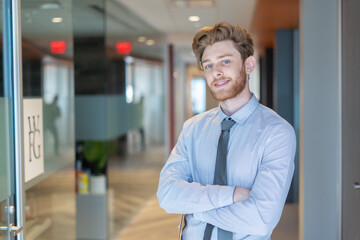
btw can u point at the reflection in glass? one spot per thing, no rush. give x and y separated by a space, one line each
48 73
47 54
53 113
3 219
6 130
4 127
134 56
6 156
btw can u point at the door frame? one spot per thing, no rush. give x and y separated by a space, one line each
13 70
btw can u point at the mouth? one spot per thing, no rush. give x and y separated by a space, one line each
221 83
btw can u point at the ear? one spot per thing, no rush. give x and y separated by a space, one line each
250 63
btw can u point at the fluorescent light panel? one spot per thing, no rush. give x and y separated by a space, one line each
141 39
150 42
192 3
194 18
57 20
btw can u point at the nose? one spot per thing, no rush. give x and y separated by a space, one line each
217 71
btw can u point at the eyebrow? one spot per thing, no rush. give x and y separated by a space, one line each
219 57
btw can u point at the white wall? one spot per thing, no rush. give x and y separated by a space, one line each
320 126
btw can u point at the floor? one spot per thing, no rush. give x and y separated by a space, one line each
51 204
132 182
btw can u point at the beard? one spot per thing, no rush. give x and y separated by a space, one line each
237 86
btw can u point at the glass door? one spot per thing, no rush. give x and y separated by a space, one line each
48 97
10 168
6 150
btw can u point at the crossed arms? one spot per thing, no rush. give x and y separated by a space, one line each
232 208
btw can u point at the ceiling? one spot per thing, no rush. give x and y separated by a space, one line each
171 16
260 17
88 19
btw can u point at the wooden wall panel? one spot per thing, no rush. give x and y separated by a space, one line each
270 15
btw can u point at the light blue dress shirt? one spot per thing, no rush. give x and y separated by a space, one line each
260 157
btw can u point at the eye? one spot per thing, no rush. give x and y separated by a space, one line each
209 66
225 62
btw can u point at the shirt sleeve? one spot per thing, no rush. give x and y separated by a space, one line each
261 212
177 193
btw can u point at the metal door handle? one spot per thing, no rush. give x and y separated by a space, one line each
356 185
15 230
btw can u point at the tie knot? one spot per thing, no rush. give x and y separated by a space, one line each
226 124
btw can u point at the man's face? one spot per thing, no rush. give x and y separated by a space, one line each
223 70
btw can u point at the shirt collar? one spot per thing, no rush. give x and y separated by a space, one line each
241 115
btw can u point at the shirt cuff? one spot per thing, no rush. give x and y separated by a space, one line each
226 195
225 198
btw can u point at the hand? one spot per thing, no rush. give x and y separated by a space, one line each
240 194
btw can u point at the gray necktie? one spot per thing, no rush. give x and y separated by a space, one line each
220 177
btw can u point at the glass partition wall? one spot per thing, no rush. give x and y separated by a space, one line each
140 47
48 77
129 76
11 188
119 80
6 138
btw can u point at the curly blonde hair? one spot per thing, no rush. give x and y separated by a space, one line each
221 32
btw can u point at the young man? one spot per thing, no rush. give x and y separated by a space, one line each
232 166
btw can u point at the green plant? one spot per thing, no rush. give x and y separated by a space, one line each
96 153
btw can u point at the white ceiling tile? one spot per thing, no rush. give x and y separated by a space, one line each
174 20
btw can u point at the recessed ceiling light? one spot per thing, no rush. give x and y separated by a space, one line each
57 20
141 39
50 6
149 42
192 3
194 18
